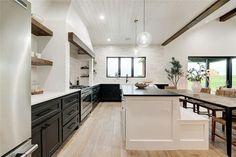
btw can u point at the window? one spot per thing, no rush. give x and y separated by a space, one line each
126 66
139 67
113 68
222 71
234 72
217 76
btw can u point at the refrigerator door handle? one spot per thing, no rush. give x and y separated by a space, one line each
28 152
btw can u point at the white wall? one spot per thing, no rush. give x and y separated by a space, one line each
211 39
154 56
76 25
61 18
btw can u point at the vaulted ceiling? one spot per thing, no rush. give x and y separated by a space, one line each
163 18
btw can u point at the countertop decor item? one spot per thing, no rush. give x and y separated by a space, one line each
196 76
175 72
141 85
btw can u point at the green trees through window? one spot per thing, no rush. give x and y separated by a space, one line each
222 71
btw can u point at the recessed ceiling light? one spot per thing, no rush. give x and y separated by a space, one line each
101 17
108 39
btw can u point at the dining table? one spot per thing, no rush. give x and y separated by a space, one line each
228 103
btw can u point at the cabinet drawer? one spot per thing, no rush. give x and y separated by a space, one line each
70 99
70 127
43 111
70 112
85 108
86 111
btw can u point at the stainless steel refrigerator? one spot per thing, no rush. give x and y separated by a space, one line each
15 67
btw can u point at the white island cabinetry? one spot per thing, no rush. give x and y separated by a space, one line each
154 120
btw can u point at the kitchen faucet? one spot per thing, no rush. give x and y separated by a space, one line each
127 80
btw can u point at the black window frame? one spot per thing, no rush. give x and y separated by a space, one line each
207 59
132 67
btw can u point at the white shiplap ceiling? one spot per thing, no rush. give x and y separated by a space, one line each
163 18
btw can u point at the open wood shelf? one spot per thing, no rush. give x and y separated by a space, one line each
84 68
84 76
39 29
40 62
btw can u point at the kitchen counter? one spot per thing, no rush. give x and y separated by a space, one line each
131 90
36 99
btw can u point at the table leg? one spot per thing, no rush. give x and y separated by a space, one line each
185 104
228 118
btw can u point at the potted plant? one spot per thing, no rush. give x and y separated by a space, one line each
196 76
175 72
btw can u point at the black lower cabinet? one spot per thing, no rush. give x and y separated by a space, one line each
110 92
52 134
37 133
53 122
96 96
48 136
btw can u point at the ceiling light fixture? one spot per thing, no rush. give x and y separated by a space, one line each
108 39
135 37
144 38
102 17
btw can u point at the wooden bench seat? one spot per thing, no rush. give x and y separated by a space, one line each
213 108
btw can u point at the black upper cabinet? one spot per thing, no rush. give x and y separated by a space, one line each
110 92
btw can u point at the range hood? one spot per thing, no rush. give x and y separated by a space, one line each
82 48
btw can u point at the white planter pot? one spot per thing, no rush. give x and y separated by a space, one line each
196 87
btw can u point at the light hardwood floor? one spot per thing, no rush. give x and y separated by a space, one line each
100 136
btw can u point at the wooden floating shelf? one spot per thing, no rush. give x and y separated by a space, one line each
84 76
39 29
84 68
37 92
40 62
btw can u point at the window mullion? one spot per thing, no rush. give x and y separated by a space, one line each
119 66
132 67
229 73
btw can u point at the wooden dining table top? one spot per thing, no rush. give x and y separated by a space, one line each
221 101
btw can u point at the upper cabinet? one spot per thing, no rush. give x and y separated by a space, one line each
39 29
82 48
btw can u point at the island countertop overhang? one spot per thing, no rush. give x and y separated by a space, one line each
131 90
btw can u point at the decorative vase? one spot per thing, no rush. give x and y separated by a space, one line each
196 87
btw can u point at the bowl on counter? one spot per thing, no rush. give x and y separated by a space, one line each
141 85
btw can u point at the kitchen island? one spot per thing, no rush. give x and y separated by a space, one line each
153 120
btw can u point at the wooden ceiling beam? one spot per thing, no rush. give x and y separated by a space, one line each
228 15
200 17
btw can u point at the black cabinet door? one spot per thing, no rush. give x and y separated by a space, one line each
110 92
52 135
37 139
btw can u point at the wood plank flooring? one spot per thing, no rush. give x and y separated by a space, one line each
100 136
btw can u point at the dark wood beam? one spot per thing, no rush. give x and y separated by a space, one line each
200 17
228 15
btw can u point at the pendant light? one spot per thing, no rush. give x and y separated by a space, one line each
144 38
135 37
